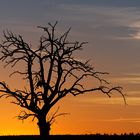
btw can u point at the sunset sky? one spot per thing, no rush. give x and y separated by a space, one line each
112 30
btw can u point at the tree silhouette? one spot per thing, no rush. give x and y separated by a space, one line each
51 70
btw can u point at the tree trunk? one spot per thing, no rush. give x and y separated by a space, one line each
44 128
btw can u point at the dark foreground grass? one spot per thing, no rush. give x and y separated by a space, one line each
76 137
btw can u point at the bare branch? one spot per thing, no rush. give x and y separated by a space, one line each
24 115
55 115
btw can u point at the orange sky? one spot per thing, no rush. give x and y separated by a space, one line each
87 114
112 29
84 118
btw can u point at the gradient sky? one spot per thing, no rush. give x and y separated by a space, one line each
112 29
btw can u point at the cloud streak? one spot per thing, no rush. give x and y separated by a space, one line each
110 101
121 119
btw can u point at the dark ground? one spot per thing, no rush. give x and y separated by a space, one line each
76 137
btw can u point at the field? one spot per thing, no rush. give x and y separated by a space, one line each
76 137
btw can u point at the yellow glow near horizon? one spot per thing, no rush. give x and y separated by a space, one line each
84 118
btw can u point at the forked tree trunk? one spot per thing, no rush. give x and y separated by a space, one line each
44 128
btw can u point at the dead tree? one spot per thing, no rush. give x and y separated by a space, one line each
52 72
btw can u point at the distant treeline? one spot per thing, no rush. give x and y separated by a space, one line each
124 136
